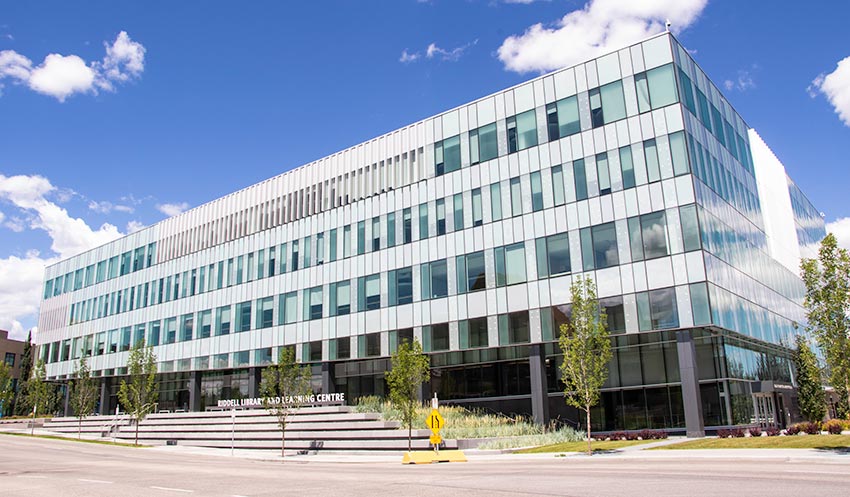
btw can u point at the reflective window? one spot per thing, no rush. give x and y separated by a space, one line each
522 131
376 234
265 313
516 197
391 229
558 193
496 201
599 246
187 327
580 179
222 321
361 237
369 292
627 167
483 144
553 255
653 170
441 217
603 174
690 227
513 328
614 312
434 276
204 324
562 118
472 333
648 236
288 308
536 191
401 286
607 104
447 155
313 302
470 272
423 221
407 226
340 298
510 264
243 316
657 309
457 200
436 337
679 153
477 210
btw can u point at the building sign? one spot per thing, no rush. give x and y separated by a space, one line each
309 400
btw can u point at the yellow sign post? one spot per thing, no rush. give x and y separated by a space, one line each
435 422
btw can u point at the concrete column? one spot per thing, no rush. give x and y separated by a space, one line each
253 383
328 384
195 391
539 386
67 405
694 424
104 396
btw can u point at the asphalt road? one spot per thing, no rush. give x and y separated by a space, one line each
36 467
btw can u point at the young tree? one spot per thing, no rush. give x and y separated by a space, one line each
410 369
140 395
586 348
284 388
809 382
26 371
7 393
40 394
827 304
83 393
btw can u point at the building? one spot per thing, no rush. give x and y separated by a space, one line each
464 231
11 352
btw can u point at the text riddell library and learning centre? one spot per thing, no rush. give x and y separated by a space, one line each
464 231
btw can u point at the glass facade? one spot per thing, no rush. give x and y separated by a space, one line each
464 231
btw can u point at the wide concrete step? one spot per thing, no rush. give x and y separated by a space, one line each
270 426
342 445
275 435
264 418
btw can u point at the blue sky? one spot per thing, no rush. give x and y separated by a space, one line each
196 99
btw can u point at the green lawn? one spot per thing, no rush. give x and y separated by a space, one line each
598 446
791 442
83 440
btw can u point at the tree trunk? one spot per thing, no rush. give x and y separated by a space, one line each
589 448
409 435
32 424
283 441
80 428
137 431
847 391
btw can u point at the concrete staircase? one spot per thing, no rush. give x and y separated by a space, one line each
311 429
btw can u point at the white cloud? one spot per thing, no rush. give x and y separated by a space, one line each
835 86
61 76
407 57
105 207
601 26
15 224
452 55
743 82
841 229
70 236
134 226
172 209
21 278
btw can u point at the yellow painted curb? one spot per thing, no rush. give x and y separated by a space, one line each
429 456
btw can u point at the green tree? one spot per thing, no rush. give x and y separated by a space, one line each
410 369
827 304
284 388
809 382
139 396
83 393
40 394
7 392
586 347
26 371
